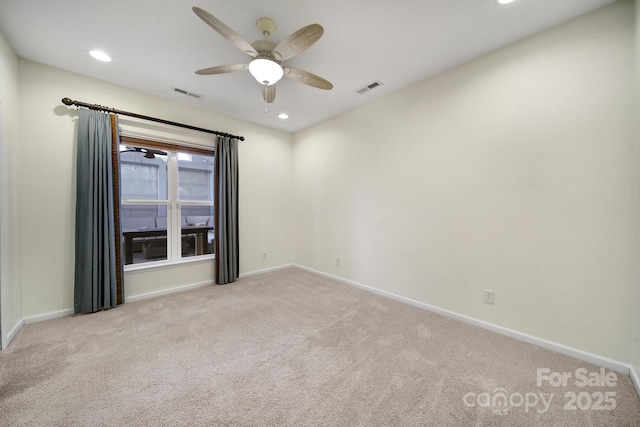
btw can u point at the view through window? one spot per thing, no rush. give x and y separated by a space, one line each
166 204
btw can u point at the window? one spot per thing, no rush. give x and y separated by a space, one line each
166 195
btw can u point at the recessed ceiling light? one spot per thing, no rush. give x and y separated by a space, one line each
505 1
100 56
283 116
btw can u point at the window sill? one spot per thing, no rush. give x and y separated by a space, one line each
161 265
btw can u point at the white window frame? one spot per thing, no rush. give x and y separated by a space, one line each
174 209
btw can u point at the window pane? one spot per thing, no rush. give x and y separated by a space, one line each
197 231
137 216
144 232
195 177
143 173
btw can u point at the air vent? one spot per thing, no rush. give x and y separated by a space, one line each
184 92
370 86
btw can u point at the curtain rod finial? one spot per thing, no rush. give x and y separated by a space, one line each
67 101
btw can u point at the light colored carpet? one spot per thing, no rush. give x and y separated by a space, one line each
287 348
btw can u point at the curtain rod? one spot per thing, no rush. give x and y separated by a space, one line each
67 101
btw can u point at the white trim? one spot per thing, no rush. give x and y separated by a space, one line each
13 332
154 294
634 378
62 313
194 285
68 312
34 319
47 316
596 359
266 270
158 265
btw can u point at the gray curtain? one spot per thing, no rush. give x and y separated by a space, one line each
226 205
95 271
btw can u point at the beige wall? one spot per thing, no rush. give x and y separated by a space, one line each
47 186
511 173
9 237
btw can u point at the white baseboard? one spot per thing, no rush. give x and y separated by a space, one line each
161 292
47 316
62 313
634 378
68 312
33 319
596 359
154 294
266 270
13 332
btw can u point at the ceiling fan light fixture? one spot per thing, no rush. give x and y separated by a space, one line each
265 71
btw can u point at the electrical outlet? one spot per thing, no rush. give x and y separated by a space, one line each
338 261
487 296
264 255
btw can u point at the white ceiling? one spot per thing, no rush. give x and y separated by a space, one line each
157 45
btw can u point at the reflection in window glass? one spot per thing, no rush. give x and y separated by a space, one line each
139 181
143 173
195 177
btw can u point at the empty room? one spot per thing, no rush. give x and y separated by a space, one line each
338 213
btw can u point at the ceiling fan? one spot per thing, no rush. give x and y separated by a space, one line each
150 153
268 56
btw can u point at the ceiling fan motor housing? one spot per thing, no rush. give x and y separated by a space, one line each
264 48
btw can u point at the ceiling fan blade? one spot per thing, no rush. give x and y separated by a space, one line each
226 32
223 69
269 93
298 42
307 78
